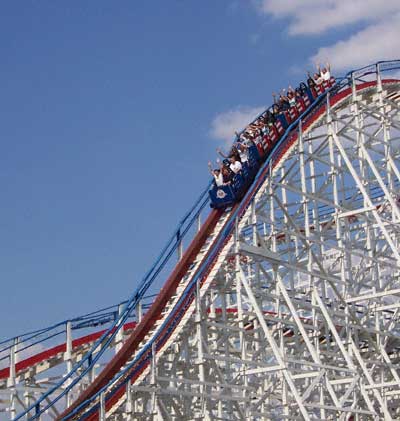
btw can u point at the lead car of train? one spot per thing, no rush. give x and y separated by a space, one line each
261 147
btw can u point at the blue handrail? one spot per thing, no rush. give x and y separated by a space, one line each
226 232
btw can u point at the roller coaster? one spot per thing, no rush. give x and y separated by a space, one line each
281 305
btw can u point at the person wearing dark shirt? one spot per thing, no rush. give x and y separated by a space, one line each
310 81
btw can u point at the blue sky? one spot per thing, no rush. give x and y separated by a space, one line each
110 112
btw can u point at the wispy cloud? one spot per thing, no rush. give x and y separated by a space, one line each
226 123
317 16
376 40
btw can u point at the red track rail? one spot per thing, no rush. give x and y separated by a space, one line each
52 352
153 314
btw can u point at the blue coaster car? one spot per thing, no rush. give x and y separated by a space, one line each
231 193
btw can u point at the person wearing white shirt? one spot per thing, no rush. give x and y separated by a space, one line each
326 75
318 79
235 166
217 174
325 72
243 152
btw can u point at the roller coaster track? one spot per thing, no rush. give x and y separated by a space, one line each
218 247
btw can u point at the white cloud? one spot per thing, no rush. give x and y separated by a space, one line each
317 16
225 124
374 43
377 40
